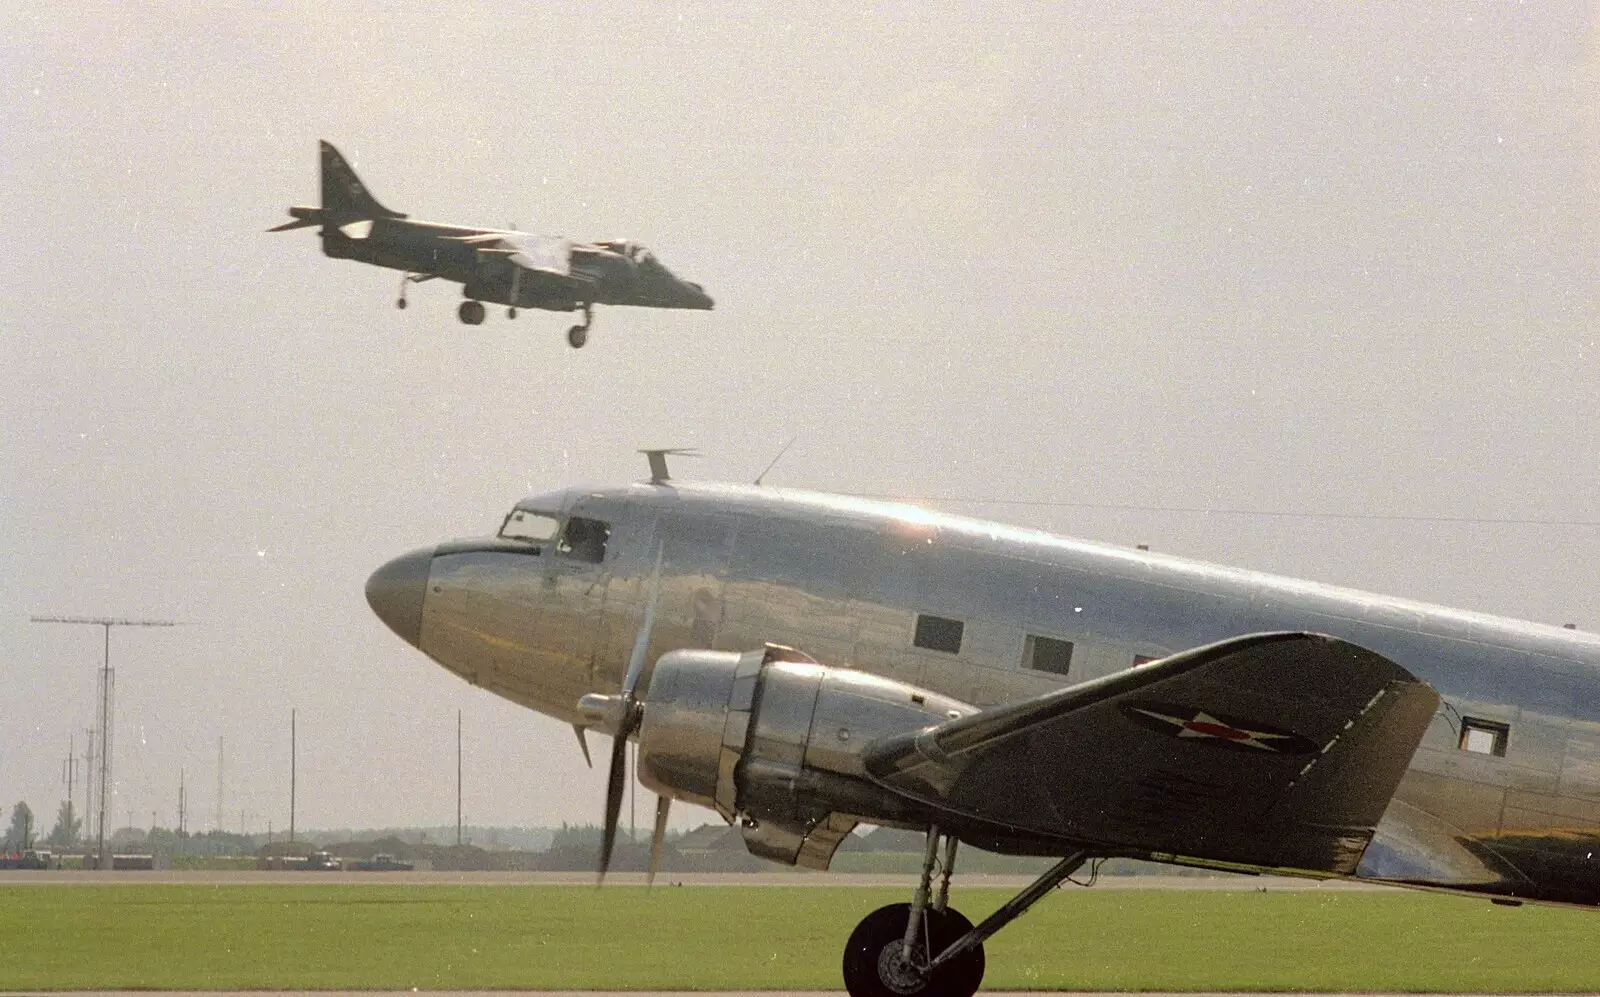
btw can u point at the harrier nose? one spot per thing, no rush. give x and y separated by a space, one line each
396 590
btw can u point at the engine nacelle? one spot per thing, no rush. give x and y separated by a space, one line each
775 739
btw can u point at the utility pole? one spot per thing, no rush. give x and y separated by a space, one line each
291 776
70 769
219 786
88 787
104 712
182 802
458 778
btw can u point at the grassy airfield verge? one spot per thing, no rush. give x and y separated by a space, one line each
184 937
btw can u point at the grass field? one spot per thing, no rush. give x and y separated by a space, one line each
430 937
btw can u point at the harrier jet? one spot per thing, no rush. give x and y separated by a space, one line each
500 266
802 663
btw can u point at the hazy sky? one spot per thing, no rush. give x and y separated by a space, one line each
1276 257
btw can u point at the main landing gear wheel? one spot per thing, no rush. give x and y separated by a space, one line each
400 304
511 312
471 312
874 965
925 947
579 334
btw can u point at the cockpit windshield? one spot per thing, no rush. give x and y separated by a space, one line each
529 525
631 250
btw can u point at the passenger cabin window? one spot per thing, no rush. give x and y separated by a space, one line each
584 540
1142 659
1484 737
938 634
525 524
1047 654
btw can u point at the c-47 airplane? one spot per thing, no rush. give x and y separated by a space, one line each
802 663
500 266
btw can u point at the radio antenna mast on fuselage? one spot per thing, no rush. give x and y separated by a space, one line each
658 463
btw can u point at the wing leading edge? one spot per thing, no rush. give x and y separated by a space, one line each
1277 750
538 253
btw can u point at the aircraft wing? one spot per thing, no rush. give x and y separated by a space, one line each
543 253
1277 750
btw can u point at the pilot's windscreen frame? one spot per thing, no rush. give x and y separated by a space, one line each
530 526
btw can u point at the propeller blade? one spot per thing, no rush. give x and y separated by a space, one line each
583 742
616 783
658 838
641 643
627 723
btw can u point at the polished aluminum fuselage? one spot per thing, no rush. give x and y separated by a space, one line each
844 580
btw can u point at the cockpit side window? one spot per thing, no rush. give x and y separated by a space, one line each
584 540
528 525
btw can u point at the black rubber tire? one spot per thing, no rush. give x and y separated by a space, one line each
511 312
471 312
400 303
959 978
577 336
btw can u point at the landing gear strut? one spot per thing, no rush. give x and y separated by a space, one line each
579 334
407 279
928 948
471 312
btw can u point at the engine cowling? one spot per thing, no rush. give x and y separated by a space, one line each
774 739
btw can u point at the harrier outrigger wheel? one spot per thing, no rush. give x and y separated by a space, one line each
579 334
471 312
407 279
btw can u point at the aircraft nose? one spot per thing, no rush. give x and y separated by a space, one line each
396 590
695 296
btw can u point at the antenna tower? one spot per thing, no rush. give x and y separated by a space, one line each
105 713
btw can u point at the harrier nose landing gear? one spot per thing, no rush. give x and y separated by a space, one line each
929 949
471 312
579 334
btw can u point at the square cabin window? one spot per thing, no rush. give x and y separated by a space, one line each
1484 737
938 634
1047 654
584 540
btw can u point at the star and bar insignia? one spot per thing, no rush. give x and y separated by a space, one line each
1192 723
